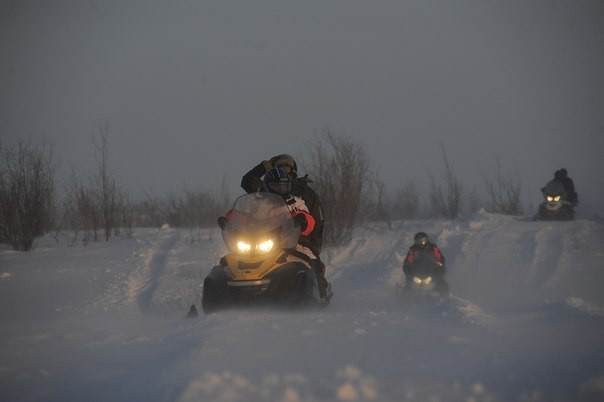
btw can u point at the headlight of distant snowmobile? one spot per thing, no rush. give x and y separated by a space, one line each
557 198
265 246
417 280
243 246
428 280
550 198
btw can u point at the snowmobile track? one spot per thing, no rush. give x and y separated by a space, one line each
142 285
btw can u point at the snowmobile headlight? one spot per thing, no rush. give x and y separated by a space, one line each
550 198
557 198
428 280
265 246
243 246
417 280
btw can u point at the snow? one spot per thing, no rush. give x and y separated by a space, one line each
105 321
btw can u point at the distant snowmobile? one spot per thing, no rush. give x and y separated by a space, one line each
428 282
555 205
263 265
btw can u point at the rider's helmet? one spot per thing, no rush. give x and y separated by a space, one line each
285 162
421 239
277 181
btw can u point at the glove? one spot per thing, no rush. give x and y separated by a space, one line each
300 221
268 165
222 222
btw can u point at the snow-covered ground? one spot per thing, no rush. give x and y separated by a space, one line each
105 322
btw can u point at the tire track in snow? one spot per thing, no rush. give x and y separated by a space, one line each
142 285
548 251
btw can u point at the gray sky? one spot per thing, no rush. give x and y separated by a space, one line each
195 91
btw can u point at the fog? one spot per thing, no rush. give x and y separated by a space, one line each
198 91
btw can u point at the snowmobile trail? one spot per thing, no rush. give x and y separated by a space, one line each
548 251
142 284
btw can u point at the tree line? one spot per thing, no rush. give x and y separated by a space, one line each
97 207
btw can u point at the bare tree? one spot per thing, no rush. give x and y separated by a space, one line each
27 191
381 209
82 209
99 204
503 191
125 214
338 167
191 209
150 212
445 195
106 186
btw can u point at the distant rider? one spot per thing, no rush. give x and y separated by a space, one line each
562 176
423 251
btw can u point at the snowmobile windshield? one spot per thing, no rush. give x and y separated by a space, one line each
554 189
260 223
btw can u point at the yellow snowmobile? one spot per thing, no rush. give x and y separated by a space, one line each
263 265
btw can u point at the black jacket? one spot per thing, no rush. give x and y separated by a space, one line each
415 253
252 182
569 186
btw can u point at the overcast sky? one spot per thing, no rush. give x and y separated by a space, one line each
196 90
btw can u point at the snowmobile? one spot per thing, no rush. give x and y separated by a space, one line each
263 265
555 205
426 283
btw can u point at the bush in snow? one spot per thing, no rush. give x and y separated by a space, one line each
27 190
503 191
338 167
444 195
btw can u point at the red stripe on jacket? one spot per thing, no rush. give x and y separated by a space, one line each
310 222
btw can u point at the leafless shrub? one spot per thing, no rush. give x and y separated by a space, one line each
27 190
376 203
125 214
444 195
191 209
381 204
338 168
98 205
150 212
83 210
503 190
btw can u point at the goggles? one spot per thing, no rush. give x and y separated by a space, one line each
285 166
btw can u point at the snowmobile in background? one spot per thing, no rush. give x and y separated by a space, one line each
555 205
427 282
263 265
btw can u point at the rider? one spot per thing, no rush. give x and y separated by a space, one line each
252 182
277 181
422 250
562 176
